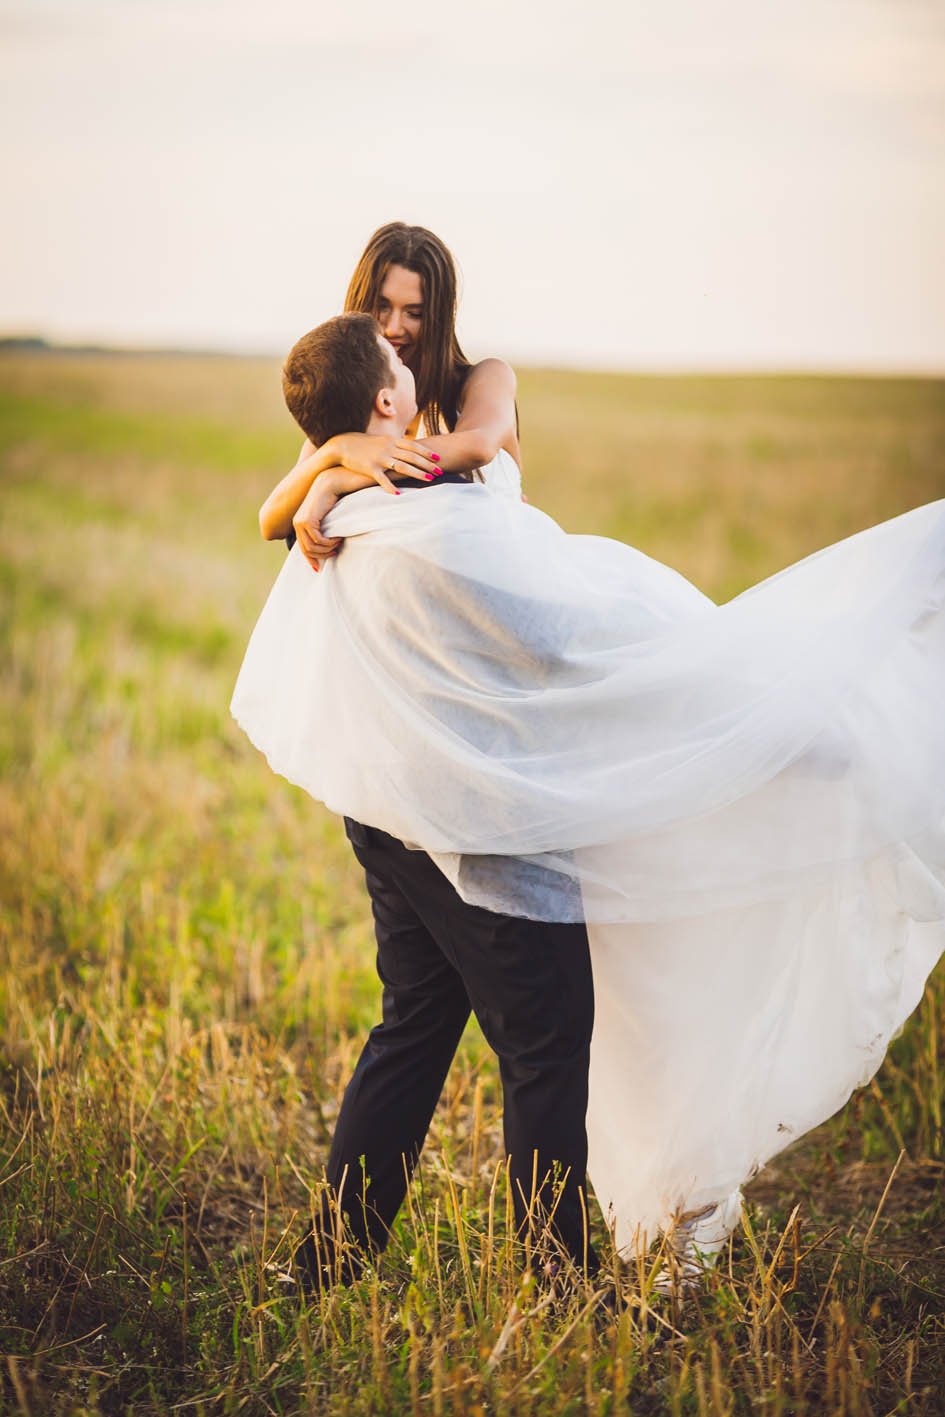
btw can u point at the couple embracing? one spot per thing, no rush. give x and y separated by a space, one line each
685 862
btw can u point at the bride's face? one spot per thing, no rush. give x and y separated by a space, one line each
400 312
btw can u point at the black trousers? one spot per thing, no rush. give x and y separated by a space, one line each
529 984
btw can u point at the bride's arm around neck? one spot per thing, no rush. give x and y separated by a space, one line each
487 420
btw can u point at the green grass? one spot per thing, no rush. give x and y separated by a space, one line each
188 960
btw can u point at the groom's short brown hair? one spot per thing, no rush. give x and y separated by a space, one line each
333 375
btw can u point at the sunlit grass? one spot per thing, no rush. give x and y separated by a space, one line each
188 956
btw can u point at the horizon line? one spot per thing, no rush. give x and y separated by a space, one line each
41 345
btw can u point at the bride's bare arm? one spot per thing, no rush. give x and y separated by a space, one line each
275 514
370 456
487 421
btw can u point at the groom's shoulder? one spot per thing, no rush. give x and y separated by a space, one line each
442 480
408 485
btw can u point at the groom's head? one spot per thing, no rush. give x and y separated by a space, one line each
343 377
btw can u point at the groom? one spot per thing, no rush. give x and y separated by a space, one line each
528 982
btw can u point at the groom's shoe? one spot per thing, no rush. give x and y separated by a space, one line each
320 1267
341 1243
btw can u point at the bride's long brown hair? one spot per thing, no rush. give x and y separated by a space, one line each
442 367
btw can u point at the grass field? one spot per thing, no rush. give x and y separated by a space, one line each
188 966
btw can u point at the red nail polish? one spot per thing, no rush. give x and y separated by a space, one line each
434 457
429 476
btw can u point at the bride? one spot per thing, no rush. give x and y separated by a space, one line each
745 802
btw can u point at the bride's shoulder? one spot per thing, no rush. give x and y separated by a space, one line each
492 367
492 375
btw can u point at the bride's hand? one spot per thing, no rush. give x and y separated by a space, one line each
376 456
307 523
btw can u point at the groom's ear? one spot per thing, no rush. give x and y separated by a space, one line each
384 403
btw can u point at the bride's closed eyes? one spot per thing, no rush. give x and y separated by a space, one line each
411 317
412 312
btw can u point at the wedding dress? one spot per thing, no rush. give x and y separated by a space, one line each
746 802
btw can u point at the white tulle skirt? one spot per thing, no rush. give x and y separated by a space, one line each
745 802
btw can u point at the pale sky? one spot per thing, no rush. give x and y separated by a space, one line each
624 183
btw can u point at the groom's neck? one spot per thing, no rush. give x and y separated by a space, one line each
386 427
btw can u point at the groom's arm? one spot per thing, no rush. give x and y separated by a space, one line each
337 482
373 457
330 487
306 524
